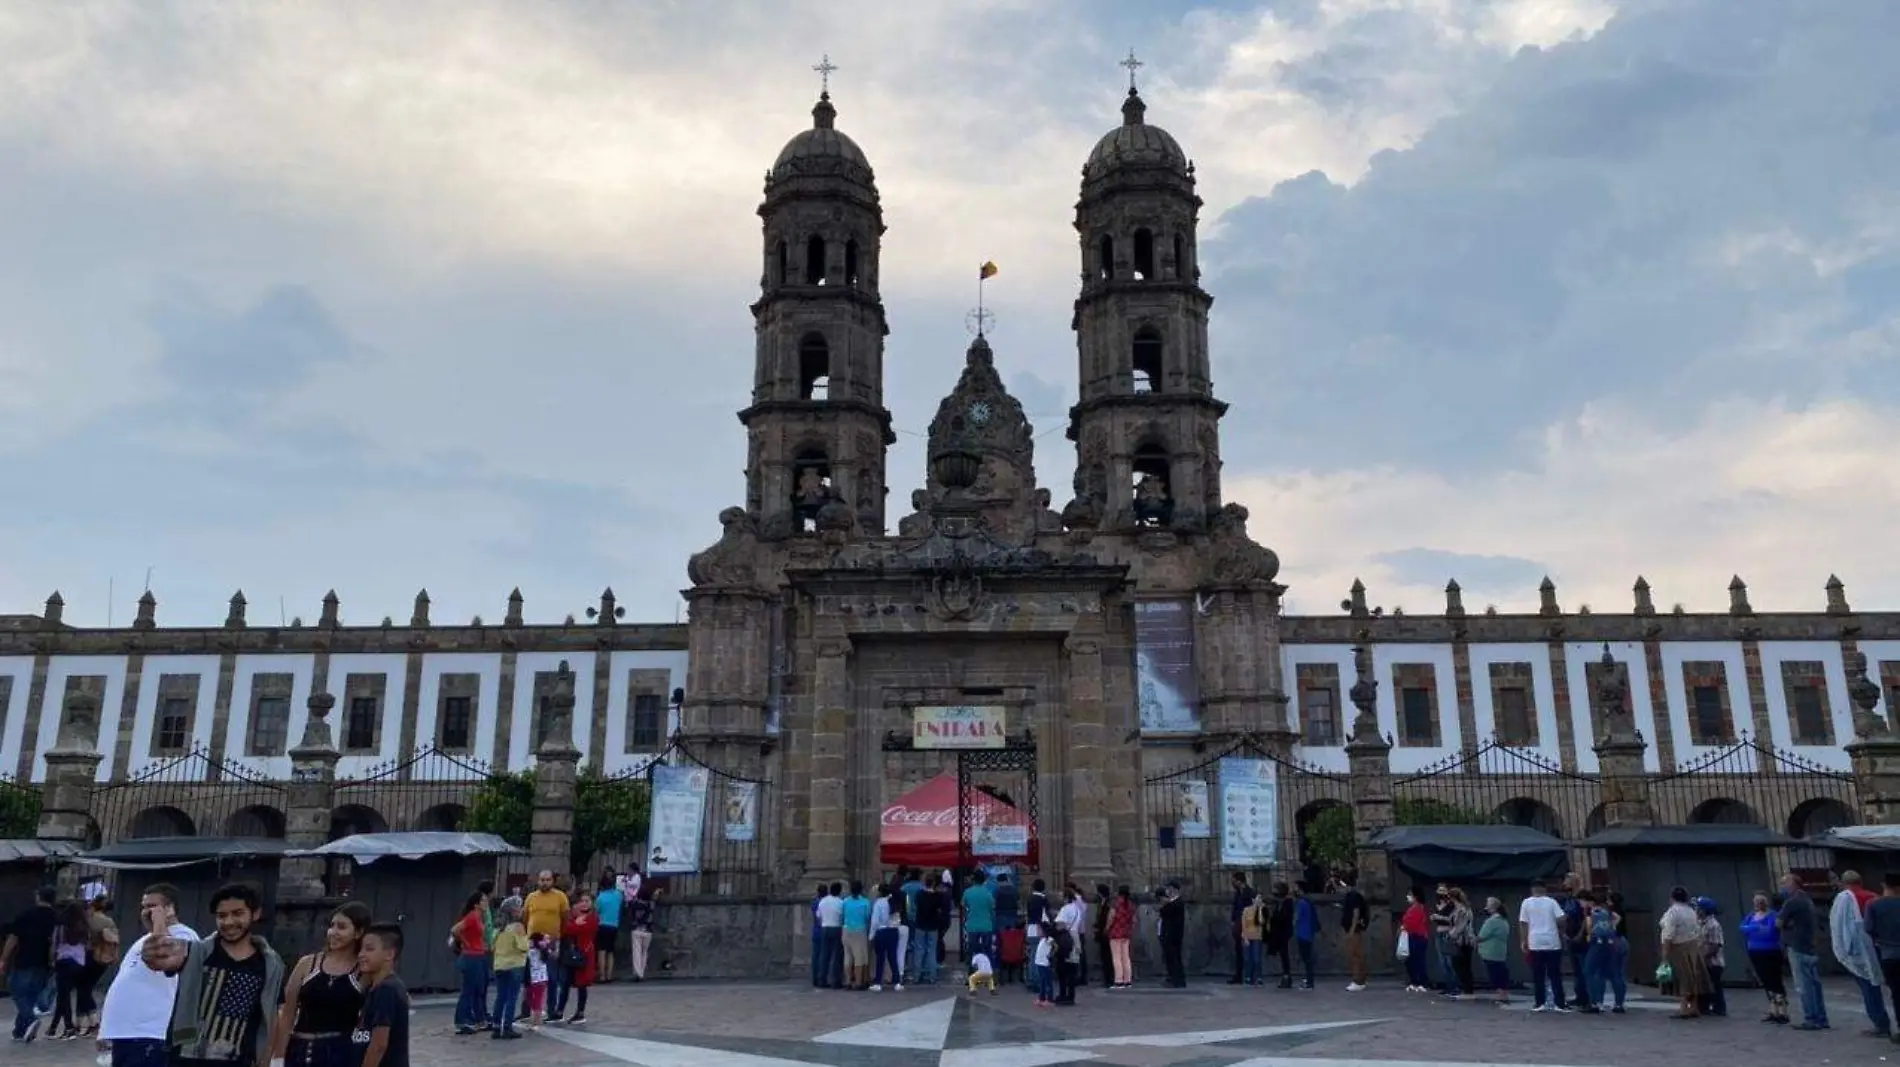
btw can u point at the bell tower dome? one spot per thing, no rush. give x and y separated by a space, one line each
817 430
1147 424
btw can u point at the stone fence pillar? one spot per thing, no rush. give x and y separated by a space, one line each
304 897
1368 755
1624 787
556 769
1875 749
72 764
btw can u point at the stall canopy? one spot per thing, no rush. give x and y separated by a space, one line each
1859 838
922 827
1475 853
413 845
160 853
19 850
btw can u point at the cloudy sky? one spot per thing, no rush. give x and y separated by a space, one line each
453 294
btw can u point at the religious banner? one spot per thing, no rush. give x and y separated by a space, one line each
960 727
1191 815
1168 688
678 817
999 839
1250 812
742 811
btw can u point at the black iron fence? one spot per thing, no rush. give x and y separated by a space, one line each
1752 783
644 815
189 795
1198 827
431 790
1497 784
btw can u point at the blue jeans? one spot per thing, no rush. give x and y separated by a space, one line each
923 955
1042 982
139 1052
979 941
1807 981
1417 970
1579 963
831 946
470 1011
1547 974
1876 1005
508 996
884 957
1448 974
26 985
1256 962
817 954
1605 966
1499 974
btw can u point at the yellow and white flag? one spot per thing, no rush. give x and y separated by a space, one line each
987 270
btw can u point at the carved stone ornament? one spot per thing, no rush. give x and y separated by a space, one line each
1864 693
1232 557
1364 696
1611 703
733 559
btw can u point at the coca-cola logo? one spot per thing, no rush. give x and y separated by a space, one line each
899 815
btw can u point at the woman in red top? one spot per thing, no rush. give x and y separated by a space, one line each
469 936
1121 930
1417 931
577 955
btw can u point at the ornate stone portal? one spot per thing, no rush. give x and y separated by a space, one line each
814 636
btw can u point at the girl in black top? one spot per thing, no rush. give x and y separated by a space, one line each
323 997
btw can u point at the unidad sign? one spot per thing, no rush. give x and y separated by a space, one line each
959 727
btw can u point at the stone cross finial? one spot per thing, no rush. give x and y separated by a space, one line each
55 610
608 612
234 620
330 619
1131 65
1356 600
316 724
1644 605
420 617
147 618
1547 598
1454 600
1864 692
513 617
79 722
1837 596
1738 597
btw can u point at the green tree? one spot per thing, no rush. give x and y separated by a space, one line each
19 812
609 813
1329 836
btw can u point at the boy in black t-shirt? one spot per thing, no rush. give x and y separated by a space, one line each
382 1031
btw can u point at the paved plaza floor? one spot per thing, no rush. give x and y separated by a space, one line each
1210 1024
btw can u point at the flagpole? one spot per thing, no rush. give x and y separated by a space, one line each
981 277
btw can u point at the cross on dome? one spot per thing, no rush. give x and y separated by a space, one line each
825 68
1132 64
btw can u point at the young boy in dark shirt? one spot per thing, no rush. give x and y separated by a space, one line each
382 1031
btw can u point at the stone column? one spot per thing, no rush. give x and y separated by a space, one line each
1090 858
72 764
304 901
829 816
1625 784
1368 756
556 766
1875 749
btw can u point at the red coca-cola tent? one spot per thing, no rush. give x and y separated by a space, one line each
921 828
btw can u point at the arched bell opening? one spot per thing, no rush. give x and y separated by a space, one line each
1154 498
815 260
1105 258
851 276
811 486
1144 255
1145 357
814 367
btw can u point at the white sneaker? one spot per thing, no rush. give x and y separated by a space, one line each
877 989
1561 1011
1541 1007
897 988
1355 987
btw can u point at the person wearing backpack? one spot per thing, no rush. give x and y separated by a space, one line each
1604 951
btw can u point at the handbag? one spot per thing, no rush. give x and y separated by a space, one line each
1405 947
572 957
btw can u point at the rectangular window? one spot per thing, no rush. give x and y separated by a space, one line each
174 725
1811 725
1517 723
359 725
1319 718
1709 722
270 726
458 717
1415 716
646 722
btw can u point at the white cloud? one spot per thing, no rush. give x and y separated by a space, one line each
1782 496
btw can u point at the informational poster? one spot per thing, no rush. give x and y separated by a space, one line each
959 727
999 839
1192 818
1250 812
742 811
679 816
1165 681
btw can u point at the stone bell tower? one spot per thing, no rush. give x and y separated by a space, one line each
817 429
1147 425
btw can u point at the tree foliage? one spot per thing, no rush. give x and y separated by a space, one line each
1329 836
609 813
19 812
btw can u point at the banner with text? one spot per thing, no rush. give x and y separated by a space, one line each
742 810
1168 688
1191 817
678 818
1250 812
959 727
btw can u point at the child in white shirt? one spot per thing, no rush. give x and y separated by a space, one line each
982 973
1045 975
537 981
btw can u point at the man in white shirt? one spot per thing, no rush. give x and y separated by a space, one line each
138 1007
831 937
1540 922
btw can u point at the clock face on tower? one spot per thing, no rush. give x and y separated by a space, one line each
980 413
